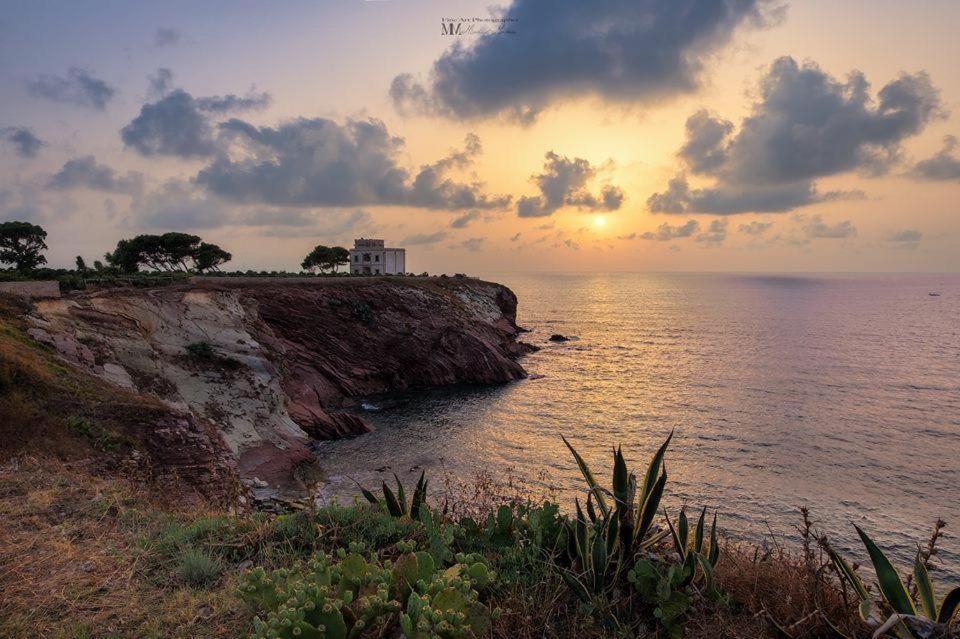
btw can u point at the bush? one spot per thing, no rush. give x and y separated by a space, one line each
198 568
201 351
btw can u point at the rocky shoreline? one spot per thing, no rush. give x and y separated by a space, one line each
273 364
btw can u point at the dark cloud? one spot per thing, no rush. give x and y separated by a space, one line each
621 50
806 125
179 124
945 165
716 233
906 235
296 223
161 83
755 228
666 232
814 227
318 162
78 87
464 220
24 142
165 36
85 172
564 182
424 238
173 125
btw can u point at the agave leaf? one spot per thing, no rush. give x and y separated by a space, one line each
653 470
690 568
890 584
621 478
588 476
707 572
366 493
393 507
949 607
928 600
714 552
683 529
612 532
698 535
650 506
401 496
419 496
591 511
599 557
676 538
576 585
844 568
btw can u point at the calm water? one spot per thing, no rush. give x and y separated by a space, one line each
838 392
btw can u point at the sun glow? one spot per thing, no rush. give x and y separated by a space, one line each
599 221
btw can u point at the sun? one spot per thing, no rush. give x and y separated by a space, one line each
599 221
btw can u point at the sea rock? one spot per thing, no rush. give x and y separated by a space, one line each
288 353
556 337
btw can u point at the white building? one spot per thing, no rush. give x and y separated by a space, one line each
370 257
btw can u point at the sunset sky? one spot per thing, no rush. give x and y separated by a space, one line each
727 135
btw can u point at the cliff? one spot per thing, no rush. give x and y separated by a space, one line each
273 363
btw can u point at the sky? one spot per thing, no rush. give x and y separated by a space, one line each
538 135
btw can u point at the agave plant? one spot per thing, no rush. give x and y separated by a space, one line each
911 619
593 549
397 502
693 555
633 508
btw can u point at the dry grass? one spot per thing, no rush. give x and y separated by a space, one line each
71 565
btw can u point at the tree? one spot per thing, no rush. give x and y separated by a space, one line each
81 265
167 252
325 257
210 257
21 243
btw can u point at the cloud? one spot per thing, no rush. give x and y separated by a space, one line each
425 238
620 50
297 223
318 162
515 237
24 142
716 233
165 36
85 172
906 235
78 87
464 220
178 206
806 125
755 228
563 182
629 236
160 82
945 165
666 232
473 244
814 227
180 125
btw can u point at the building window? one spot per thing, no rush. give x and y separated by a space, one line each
378 271
366 257
376 258
356 258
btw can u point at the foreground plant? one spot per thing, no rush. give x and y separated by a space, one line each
911 617
397 503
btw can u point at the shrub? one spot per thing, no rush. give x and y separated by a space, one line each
200 351
198 568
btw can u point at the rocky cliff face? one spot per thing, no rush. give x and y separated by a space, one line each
285 356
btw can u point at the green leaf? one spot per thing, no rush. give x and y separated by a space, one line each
653 470
676 538
576 585
650 506
367 494
855 582
393 507
890 584
588 476
707 572
683 529
419 496
698 535
928 600
621 478
714 555
401 496
949 606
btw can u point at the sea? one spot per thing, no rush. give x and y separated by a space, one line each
836 392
